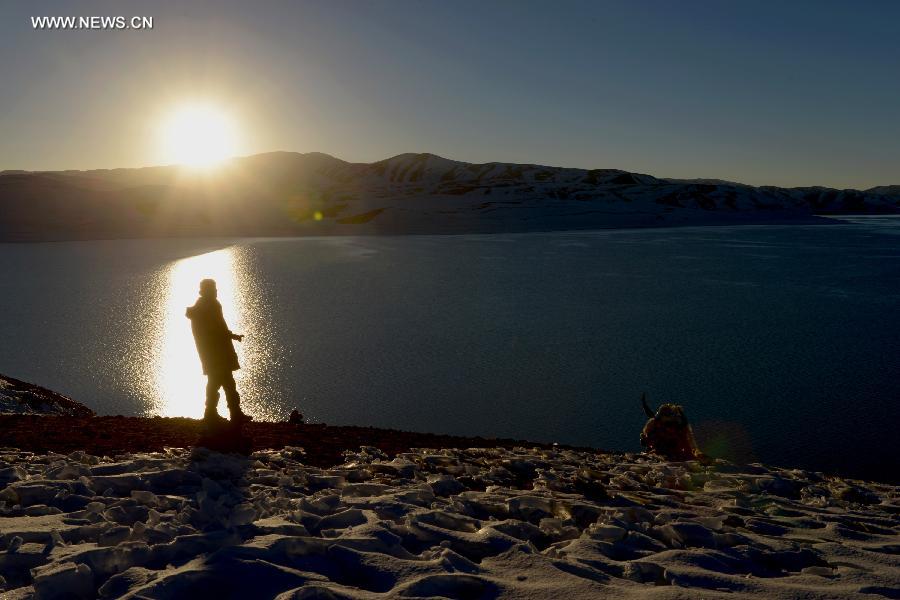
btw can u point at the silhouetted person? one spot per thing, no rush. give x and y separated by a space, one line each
214 344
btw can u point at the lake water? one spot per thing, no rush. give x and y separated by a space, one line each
782 342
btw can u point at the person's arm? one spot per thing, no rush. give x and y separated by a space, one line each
230 334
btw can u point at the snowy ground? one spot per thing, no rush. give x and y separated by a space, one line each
473 523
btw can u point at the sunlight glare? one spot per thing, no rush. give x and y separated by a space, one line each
180 381
198 135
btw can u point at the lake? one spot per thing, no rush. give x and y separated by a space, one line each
782 342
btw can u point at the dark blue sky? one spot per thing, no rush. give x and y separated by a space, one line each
783 93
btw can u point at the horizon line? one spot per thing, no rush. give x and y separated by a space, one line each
536 164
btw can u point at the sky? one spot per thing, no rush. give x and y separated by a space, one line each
766 93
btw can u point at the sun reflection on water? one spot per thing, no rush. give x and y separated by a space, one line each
178 380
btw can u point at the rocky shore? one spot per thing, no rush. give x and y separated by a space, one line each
110 436
22 398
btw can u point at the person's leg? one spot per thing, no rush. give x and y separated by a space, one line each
231 396
213 383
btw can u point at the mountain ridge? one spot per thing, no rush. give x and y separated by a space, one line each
289 193
883 189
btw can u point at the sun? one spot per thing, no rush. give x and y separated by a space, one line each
198 135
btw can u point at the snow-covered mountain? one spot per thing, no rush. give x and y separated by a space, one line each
283 193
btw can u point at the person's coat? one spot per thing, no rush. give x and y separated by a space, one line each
212 336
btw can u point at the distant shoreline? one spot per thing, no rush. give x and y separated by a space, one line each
360 231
